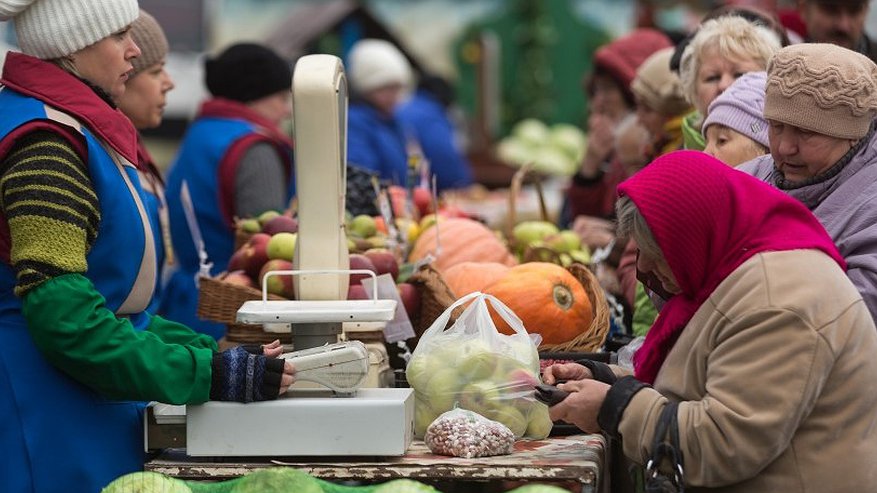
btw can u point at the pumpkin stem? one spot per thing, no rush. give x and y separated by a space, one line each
563 296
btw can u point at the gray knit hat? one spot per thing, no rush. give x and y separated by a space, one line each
152 42
50 29
658 86
822 88
741 108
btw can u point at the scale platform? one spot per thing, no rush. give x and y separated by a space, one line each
319 311
306 422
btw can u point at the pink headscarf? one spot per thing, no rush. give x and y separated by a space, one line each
709 218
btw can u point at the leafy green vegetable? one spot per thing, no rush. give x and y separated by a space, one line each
146 482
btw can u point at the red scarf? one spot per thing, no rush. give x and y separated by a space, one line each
709 218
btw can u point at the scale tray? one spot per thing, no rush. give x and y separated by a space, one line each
318 311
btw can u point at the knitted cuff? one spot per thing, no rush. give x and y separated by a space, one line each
238 376
617 399
601 371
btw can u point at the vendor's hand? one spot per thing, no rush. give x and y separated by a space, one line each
594 232
241 374
582 405
565 371
272 350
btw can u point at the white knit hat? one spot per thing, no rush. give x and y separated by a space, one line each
374 63
50 29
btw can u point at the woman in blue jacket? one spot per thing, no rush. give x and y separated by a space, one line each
236 162
379 76
143 103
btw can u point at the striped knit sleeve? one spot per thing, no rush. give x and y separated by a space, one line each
50 206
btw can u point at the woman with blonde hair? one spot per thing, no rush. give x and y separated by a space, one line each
722 50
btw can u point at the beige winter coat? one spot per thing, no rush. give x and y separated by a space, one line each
776 375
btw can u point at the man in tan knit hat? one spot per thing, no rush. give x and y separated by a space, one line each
820 104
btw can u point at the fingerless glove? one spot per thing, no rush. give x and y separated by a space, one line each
245 375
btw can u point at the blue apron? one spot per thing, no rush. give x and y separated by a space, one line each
156 209
206 143
56 434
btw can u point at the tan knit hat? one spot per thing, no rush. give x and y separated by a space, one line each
56 28
151 39
658 86
822 88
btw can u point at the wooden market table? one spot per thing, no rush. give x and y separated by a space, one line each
578 459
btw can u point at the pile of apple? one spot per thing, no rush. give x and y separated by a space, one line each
548 243
467 373
271 247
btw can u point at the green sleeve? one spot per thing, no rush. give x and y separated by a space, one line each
644 311
74 330
176 333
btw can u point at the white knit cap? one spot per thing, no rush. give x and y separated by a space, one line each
375 63
50 29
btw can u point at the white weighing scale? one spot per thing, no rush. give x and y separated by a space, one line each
339 417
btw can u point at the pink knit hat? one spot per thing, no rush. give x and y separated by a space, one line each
741 108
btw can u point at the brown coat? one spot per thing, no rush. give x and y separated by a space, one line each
777 378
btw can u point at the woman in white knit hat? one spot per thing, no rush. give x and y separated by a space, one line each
820 104
78 351
379 76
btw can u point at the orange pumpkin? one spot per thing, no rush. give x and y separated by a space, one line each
462 240
547 298
468 277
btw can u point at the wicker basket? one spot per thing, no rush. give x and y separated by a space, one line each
436 297
218 301
514 191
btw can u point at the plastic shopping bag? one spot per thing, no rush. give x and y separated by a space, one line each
473 366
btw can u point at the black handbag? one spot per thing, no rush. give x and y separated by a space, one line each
663 451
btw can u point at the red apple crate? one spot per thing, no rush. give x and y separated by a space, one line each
219 300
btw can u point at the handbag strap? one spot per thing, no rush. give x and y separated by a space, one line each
662 450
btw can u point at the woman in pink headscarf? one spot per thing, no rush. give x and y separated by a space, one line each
763 342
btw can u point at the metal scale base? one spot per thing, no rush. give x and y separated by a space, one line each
375 422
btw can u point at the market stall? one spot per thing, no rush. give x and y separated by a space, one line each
340 425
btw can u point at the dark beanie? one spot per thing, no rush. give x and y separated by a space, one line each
246 72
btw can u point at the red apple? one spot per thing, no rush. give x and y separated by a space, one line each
256 253
357 292
281 224
384 261
279 285
237 260
360 261
422 198
410 296
239 278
